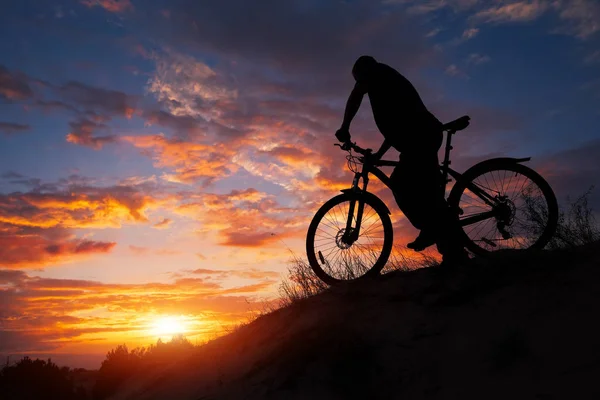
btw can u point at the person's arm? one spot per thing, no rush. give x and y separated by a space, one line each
353 104
385 146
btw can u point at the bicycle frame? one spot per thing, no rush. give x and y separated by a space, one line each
372 168
351 234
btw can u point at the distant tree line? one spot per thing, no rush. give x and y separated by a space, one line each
120 363
29 379
39 380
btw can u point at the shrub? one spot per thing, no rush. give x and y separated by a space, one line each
39 380
120 363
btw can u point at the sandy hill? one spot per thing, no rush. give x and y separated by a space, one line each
519 327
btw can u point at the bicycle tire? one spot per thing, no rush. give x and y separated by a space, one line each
479 170
381 211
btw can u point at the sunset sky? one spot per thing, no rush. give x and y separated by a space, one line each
159 159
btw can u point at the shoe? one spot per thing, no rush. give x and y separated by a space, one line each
423 241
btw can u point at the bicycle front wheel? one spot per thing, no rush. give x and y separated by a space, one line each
333 257
504 205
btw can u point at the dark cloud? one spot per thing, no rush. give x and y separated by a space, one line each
572 172
93 106
83 132
295 35
14 85
184 126
55 105
9 128
12 175
106 101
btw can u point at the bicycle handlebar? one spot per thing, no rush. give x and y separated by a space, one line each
353 146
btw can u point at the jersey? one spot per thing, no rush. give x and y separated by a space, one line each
399 112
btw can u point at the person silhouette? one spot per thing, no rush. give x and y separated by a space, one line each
408 126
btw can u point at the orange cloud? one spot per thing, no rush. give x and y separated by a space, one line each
247 218
36 248
252 273
36 227
189 162
83 207
164 224
114 6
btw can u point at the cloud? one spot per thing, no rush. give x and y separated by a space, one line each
477 59
188 87
83 133
470 33
453 70
9 128
567 180
114 6
139 250
185 127
189 162
577 18
246 218
142 250
93 106
37 226
582 17
163 224
92 98
244 33
519 11
14 85
252 273
55 105
42 313
33 248
433 32
83 207
593 58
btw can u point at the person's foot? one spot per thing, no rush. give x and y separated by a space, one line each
423 241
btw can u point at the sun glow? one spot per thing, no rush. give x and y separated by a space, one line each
167 326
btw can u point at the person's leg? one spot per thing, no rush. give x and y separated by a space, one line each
418 192
402 187
414 183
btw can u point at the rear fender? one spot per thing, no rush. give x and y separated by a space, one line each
500 160
367 196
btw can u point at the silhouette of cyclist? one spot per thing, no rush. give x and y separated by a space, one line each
417 134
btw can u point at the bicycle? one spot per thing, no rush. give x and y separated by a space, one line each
341 246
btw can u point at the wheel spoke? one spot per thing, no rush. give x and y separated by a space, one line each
343 261
520 208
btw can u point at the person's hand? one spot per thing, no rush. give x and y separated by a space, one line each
343 135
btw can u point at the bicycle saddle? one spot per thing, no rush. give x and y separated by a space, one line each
458 124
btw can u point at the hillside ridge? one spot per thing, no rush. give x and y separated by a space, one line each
519 326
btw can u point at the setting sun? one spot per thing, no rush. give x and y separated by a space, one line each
167 326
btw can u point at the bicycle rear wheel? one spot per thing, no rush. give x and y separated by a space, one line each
335 260
504 205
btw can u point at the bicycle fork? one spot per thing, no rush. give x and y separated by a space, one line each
351 233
